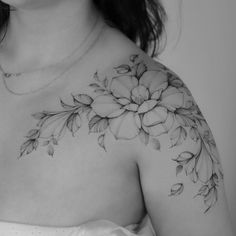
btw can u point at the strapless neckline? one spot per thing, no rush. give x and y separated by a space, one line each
91 228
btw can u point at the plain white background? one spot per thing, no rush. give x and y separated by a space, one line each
201 49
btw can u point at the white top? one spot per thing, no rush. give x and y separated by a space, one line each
93 228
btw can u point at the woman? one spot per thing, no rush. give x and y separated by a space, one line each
96 134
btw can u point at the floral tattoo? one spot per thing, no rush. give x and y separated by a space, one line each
144 104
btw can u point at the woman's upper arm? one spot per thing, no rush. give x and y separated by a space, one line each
180 170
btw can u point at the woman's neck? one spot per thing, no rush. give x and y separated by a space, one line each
45 35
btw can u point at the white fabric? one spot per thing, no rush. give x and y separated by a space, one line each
92 228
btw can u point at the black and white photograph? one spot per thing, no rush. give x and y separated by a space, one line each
117 118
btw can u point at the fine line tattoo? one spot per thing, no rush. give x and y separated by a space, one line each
138 103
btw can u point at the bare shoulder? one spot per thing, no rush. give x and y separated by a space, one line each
145 100
178 159
173 123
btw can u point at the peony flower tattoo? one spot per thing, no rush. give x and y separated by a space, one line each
138 103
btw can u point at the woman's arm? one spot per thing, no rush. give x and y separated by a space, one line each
180 170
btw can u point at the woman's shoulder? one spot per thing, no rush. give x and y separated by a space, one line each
116 50
152 104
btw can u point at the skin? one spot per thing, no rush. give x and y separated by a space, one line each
94 183
47 26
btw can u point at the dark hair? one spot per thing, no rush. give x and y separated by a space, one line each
142 21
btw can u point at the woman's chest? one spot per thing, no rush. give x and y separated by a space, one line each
50 174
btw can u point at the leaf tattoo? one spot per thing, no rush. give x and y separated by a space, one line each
176 189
